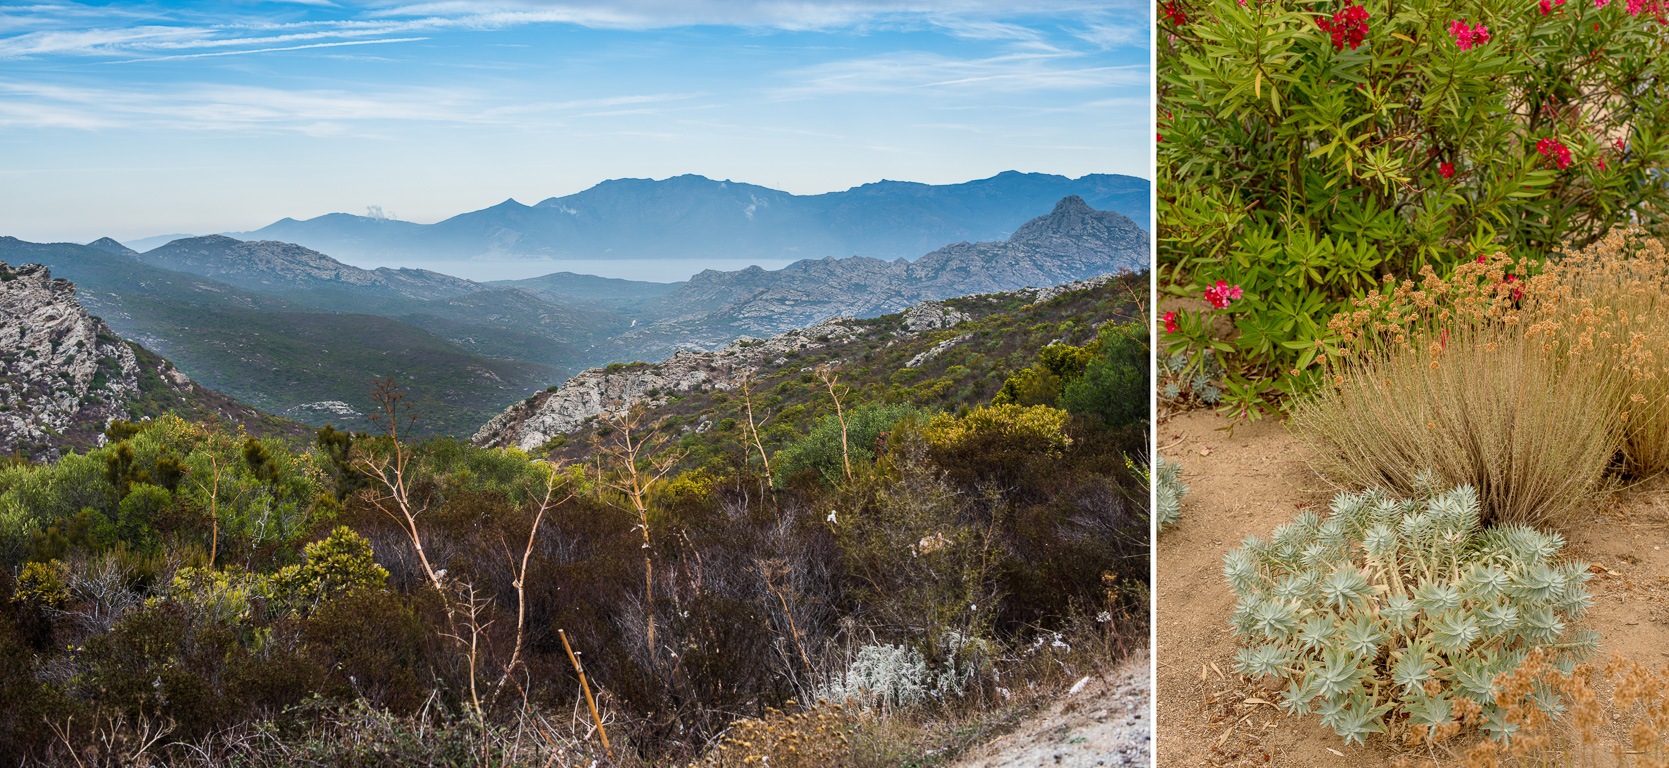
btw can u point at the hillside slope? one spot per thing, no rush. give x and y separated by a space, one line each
282 357
65 374
941 354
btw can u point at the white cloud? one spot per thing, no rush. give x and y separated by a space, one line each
272 50
918 72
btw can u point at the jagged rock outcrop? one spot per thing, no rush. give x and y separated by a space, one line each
65 375
62 371
615 389
1072 242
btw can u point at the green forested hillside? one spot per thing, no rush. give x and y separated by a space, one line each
275 354
1001 340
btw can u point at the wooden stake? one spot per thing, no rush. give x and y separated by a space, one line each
586 687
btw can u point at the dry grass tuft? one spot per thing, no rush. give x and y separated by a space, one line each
1609 304
821 736
1491 408
1451 375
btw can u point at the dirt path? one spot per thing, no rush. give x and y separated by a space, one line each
1104 723
1248 484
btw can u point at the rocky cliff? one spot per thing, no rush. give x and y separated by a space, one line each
616 388
65 375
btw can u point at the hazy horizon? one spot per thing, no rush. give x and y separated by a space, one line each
137 121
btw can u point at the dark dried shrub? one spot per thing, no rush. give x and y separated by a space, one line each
374 645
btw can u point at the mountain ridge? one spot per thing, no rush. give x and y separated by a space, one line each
692 216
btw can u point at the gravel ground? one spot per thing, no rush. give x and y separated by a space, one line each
1105 721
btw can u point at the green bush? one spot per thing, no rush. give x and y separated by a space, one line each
819 451
1300 167
1391 608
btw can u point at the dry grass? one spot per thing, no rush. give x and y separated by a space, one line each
1490 408
1471 377
1607 304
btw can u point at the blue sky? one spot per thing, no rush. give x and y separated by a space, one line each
138 119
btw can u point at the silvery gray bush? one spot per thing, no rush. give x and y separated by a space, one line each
1391 605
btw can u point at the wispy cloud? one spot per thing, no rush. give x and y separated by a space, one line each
207 107
272 50
63 29
923 72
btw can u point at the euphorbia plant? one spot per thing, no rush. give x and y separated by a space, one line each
1308 149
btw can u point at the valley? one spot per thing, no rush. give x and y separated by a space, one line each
298 333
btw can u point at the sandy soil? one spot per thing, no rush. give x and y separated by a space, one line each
1248 483
1104 723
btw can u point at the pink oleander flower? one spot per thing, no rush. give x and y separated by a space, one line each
1467 36
1446 170
1555 151
1222 294
1172 11
1547 5
1602 163
1347 27
1170 322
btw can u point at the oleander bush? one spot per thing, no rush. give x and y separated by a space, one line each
1391 612
1308 149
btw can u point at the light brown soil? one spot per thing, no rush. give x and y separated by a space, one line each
1107 722
1258 478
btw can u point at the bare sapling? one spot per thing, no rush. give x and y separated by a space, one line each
829 378
553 480
753 427
641 459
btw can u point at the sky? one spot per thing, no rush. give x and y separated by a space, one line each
136 119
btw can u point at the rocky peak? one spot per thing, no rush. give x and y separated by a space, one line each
63 373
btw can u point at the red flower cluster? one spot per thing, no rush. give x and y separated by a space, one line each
1547 5
1446 170
1348 27
1553 150
1222 294
1170 322
1173 12
1654 8
1467 36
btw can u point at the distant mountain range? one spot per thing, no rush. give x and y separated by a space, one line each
699 218
295 332
1072 242
290 358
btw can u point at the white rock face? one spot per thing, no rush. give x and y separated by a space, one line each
60 368
931 316
915 362
599 391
